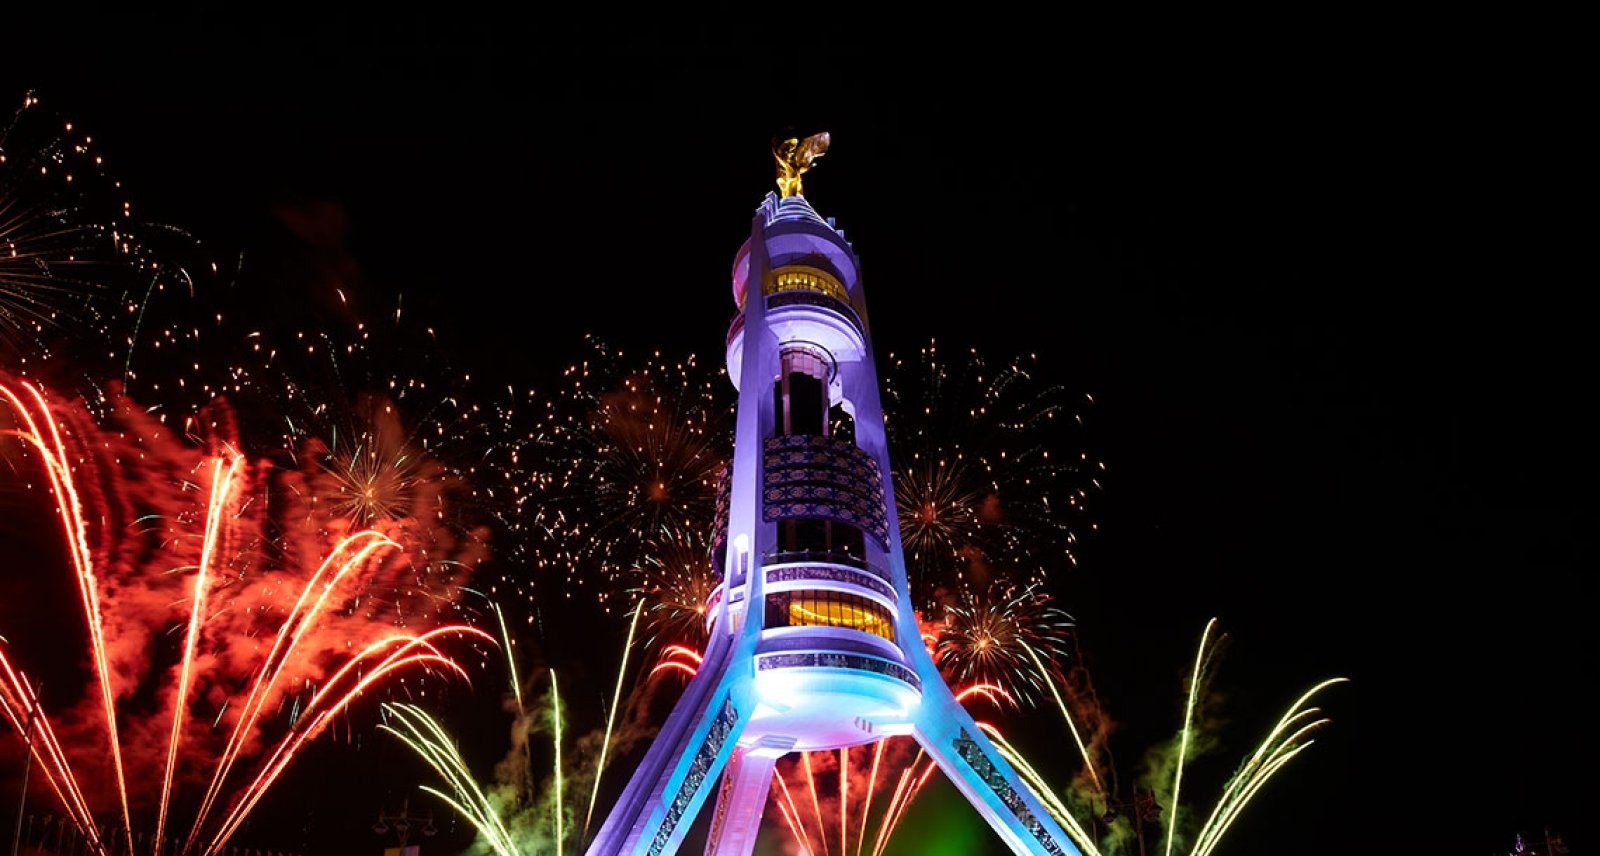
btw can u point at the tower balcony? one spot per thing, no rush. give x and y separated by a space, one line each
828 652
794 298
803 306
785 567
833 686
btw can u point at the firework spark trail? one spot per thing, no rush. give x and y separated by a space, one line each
292 744
683 651
872 780
669 660
682 667
790 821
397 659
1088 762
222 485
913 787
912 784
1274 752
289 635
816 805
611 717
555 718
511 658
70 511
1205 846
993 692
1183 745
844 801
1046 796
884 827
55 767
425 736
805 837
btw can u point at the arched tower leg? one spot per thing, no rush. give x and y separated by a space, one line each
966 756
682 765
743 797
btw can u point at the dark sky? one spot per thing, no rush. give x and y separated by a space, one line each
1316 273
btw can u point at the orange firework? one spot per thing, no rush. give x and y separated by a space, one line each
161 544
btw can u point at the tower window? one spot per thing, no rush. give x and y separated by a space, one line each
824 608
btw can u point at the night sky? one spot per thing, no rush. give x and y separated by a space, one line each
1314 272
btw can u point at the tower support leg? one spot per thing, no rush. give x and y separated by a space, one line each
743 798
967 757
682 765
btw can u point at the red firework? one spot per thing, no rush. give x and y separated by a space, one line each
271 587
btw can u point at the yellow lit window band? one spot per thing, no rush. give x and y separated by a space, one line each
836 609
800 278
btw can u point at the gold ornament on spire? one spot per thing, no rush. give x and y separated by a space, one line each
794 157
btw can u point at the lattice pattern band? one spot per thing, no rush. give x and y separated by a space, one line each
721 727
829 660
973 754
823 478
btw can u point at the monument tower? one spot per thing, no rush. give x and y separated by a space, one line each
813 643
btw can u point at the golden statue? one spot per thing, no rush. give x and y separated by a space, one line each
794 157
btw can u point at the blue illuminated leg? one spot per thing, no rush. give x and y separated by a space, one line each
949 735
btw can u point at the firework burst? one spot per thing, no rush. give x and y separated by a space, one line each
626 462
66 229
980 476
674 580
1008 636
46 234
78 269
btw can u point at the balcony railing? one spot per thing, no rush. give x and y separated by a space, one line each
799 298
812 298
832 557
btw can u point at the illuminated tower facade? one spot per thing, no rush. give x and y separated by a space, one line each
813 641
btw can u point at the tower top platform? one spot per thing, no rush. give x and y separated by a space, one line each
797 235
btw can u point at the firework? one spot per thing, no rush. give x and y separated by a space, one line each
1006 636
616 485
674 580
157 502
857 775
511 657
1046 795
425 736
678 659
57 222
78 270
980 476
1051 681
1288 737
1201 655
626 461
611 717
